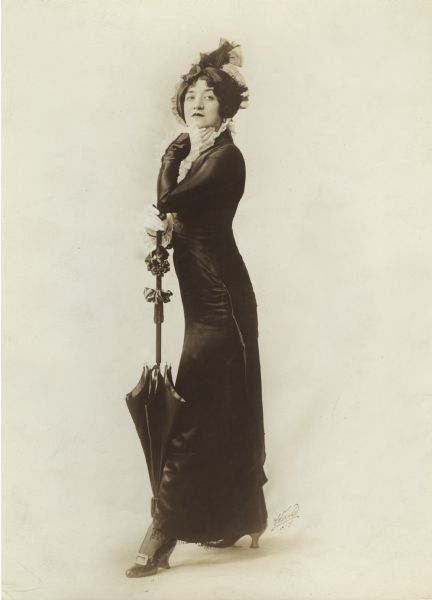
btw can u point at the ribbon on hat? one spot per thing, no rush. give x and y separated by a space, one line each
235 54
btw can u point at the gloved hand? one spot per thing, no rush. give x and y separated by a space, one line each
201 138
179 148
148 222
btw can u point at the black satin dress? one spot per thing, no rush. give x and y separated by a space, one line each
212 482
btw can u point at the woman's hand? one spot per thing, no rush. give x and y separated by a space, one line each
179 148
201 138
148 223
195 141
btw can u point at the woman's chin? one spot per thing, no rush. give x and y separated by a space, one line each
198 122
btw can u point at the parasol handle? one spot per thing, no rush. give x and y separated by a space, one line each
158 309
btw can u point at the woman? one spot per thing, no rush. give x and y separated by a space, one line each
211 490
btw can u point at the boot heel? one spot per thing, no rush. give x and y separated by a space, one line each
255 537
163 562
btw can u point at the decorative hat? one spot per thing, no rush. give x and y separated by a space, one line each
227 58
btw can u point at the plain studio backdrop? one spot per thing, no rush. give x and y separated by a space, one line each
334 227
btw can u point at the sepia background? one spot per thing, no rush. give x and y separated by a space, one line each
335 230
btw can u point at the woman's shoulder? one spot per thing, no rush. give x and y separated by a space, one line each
227 161
228 151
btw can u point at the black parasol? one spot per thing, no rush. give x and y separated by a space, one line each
154 402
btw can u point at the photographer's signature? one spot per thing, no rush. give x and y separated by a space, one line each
286 517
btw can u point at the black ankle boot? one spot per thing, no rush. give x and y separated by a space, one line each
154 554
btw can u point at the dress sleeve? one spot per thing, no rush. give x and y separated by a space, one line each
222 169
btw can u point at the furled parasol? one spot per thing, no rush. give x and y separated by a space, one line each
154 402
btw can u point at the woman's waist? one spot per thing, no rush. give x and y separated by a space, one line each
197 235
215 224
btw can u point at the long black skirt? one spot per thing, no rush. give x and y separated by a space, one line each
212 481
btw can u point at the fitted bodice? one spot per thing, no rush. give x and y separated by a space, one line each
206 199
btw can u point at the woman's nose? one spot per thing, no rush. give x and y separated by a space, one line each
198 104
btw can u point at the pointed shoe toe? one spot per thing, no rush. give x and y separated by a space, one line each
159 560
137 570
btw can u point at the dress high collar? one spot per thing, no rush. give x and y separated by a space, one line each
195 157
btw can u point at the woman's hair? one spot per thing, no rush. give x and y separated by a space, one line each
226 89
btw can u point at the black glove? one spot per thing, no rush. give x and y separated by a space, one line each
179 148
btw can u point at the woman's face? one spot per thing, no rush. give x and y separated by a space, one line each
201 106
